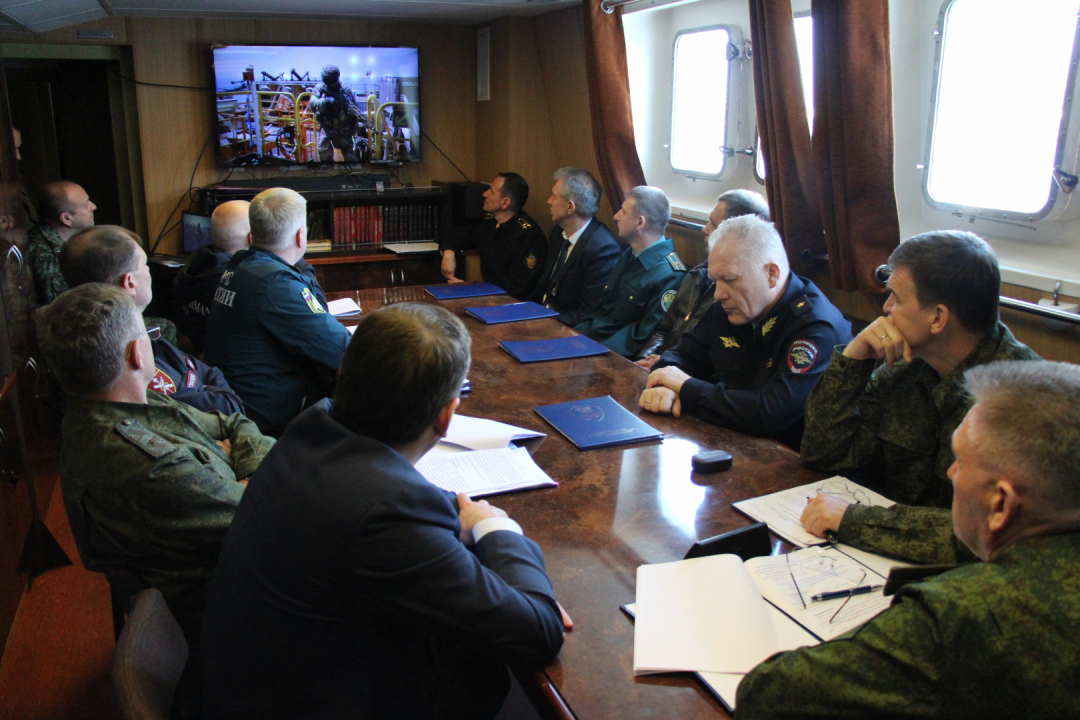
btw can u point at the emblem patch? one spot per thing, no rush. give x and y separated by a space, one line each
587 412
801 356
767 326
312 301
530 262
191 380
189 361
162 383
667 299
729 342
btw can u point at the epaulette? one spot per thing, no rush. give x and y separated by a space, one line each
674 261
801 305
151 443
488 216
525 224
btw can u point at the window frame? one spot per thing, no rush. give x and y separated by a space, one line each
735 52
1059 155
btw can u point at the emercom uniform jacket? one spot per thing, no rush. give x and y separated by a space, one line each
511 254
756 379
692 301
273 339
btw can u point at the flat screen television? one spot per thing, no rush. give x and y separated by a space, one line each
303 105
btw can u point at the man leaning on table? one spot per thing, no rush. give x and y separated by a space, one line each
885 409
991 639
751 362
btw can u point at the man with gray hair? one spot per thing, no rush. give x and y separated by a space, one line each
267 330
695 295
988 639
752 361
641 286
149 484
581 250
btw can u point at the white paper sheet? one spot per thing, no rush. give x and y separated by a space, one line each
413 247
484 472
482 434
343 307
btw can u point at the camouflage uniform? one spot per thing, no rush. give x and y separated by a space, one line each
148 488
987 640
894 426
44 254
339 121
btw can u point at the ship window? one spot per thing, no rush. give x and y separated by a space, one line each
699 103
1000 107
804 45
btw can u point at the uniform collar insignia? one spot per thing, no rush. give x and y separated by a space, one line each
768 326
729 342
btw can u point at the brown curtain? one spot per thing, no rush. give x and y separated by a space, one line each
609 101
785 135
853 138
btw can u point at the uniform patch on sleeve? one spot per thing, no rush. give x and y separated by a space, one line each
189 361
675 263
530 262
162 383
667 299
191 380
801 356
312 301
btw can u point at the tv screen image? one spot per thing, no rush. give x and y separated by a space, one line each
196 231
295 105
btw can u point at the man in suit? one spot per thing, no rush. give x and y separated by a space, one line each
581 250
995 638
350 586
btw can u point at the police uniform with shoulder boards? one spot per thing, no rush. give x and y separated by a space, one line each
512 254
756 379
273 339
638 292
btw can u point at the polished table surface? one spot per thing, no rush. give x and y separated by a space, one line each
614 510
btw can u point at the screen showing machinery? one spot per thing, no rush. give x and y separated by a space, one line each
293 105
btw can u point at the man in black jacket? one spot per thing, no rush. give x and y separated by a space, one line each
695 295
194 287
581 250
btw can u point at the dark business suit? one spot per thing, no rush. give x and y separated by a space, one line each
342 590
579 282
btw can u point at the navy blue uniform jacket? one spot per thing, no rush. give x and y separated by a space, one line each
189 380
756 379
272 338
343 574
511 255
575 291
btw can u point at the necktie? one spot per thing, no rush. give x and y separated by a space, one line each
558 266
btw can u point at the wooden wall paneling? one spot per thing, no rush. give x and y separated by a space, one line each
1060 345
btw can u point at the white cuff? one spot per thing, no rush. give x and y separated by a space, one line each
494 524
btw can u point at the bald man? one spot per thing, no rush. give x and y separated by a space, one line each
193 290
751 362
64 209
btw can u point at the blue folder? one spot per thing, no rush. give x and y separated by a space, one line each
597 423
575 346
514 312
468 290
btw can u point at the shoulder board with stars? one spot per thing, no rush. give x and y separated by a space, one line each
525 224
675 262
800 305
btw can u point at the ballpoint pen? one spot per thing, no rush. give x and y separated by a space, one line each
861 590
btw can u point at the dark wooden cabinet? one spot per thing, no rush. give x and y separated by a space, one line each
340 272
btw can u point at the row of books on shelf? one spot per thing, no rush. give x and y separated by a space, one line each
374 225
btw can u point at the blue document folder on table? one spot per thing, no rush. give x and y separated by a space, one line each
468 290
514 312
597 422
575 346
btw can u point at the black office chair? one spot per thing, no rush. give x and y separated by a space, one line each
149 659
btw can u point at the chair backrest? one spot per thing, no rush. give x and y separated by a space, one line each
149 659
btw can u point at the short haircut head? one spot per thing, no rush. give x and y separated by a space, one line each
515 188
580 188
1044 451
99 254
744 202
758 241
402 367
652 203
956 269
84 333
229 226
55 200
275 216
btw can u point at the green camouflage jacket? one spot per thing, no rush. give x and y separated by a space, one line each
987 640
44 245
894 427
148 488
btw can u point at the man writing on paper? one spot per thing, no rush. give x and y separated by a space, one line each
641 287
581 250
695 295
754 358
350 586
512 247
990 639
887 406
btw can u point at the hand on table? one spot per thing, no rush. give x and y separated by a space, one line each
823 512
567 622
670 377
471 512
647 362
879 341
661 400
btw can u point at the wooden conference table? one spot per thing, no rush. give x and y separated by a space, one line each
615 509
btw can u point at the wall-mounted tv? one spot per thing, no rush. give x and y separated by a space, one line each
300 105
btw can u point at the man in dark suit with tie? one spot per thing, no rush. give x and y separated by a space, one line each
350 586
581 250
